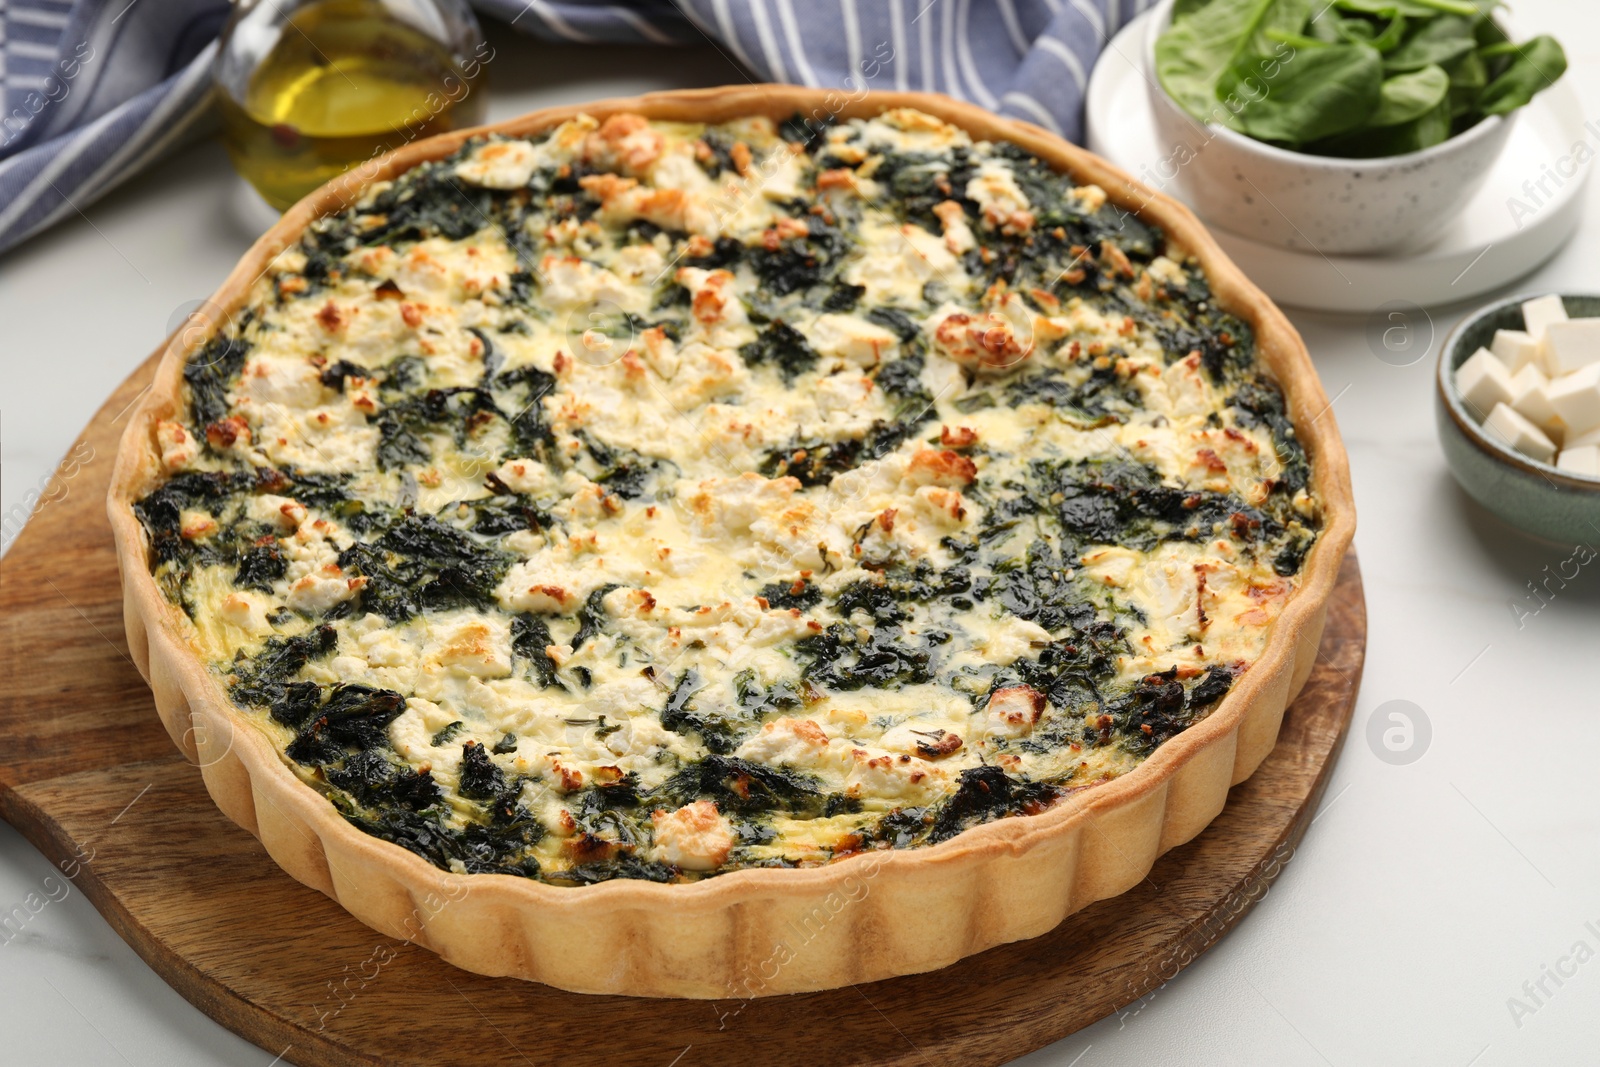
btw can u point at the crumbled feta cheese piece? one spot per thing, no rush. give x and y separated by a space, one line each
500 165
247 611
317 592
1014 710
196 525
696 837
1001 201
177 446
848 337
478 645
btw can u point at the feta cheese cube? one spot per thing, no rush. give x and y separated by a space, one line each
1505 425
1582 440
1515 348
1585 460
1530 396
1576 398
1483 382
1524 382
1570 346
1540 313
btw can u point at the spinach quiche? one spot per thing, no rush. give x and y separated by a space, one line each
638 526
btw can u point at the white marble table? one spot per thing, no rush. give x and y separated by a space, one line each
1424 898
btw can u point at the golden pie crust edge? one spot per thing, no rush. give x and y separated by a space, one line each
753 932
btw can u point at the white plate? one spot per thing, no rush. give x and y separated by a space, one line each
1507 230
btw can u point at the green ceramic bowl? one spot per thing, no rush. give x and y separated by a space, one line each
1530 495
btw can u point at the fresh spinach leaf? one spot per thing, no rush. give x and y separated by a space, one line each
1356 31
1406 97
1208 42
1468 72
1324 27
1535 66
1425 131
1426 9
1392 34
1323 92
1436 41
1468 75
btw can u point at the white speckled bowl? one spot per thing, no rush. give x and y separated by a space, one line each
1316 203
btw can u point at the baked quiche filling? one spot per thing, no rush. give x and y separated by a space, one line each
655 500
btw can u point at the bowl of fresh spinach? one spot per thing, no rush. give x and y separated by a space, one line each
1341 126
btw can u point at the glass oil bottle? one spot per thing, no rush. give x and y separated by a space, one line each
308 90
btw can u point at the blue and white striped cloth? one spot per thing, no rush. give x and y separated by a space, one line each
94 90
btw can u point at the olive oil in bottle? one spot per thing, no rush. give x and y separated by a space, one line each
345 81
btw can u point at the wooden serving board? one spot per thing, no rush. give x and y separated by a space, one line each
89 775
